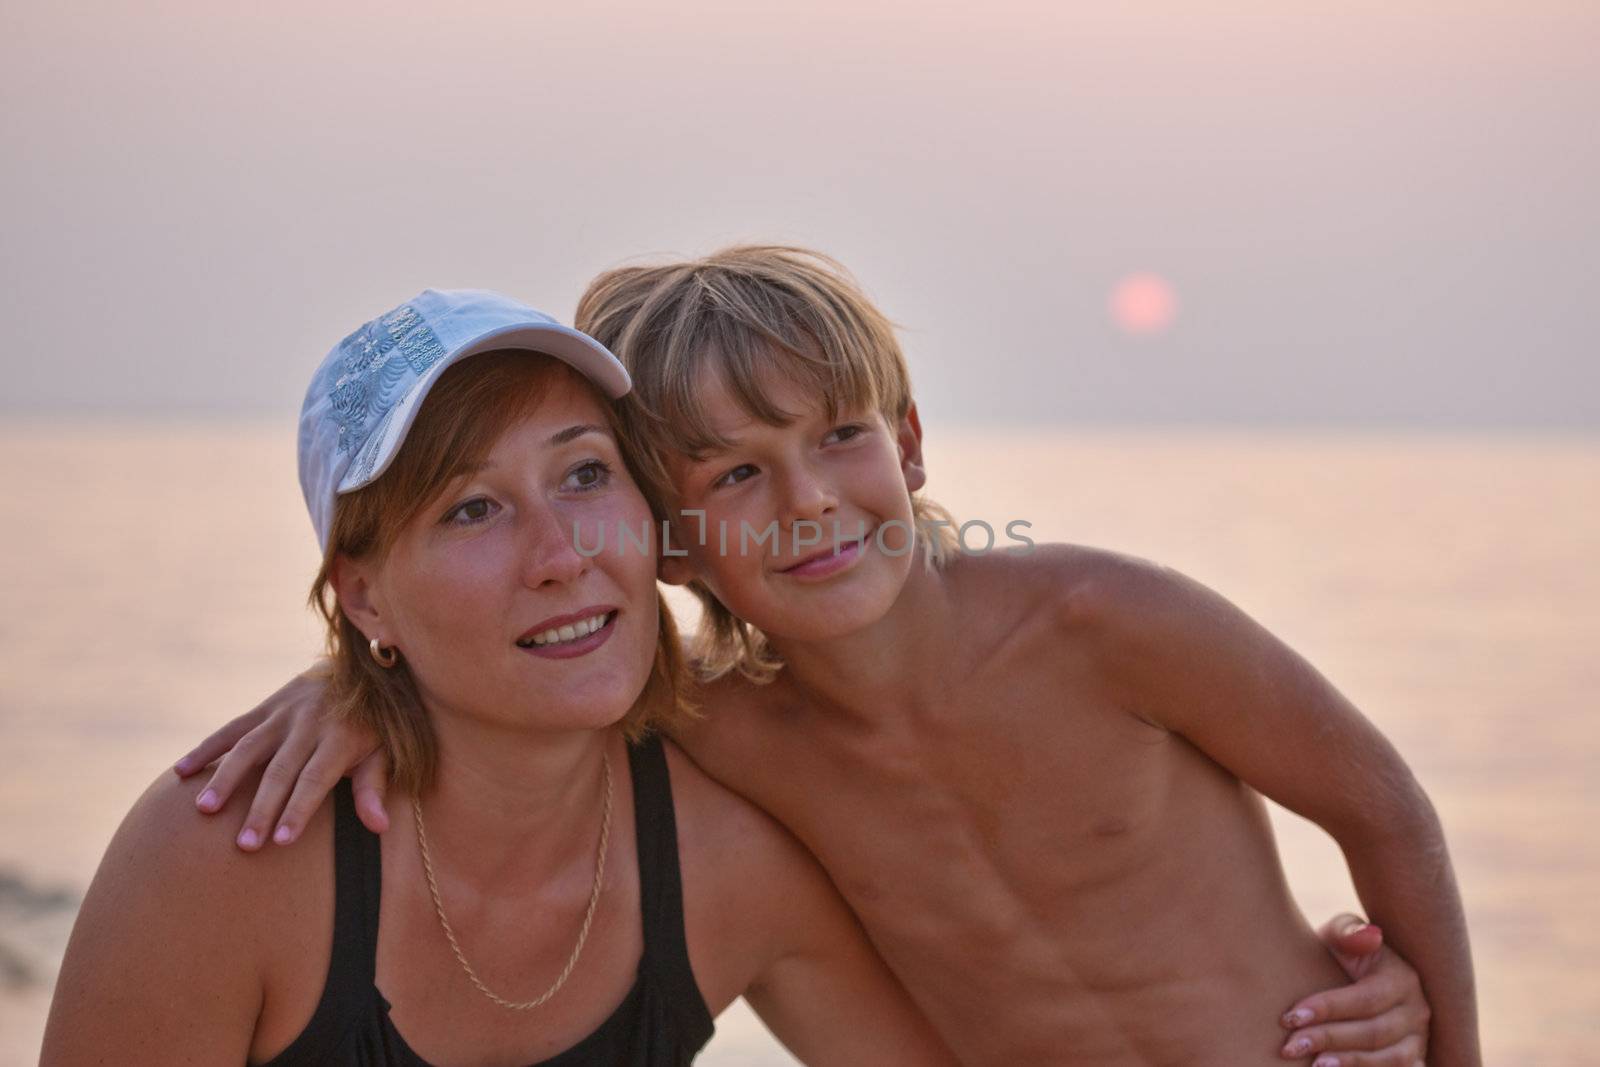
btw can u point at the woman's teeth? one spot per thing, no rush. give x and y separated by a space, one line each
570 632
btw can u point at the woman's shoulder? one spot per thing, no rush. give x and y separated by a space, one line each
195 880
716 824
742 871
165 829
182 935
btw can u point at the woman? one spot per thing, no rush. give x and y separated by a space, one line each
515 682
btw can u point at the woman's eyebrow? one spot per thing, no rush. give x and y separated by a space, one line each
573 432
569 434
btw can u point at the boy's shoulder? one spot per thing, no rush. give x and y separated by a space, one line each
743 732
1096 613
730 705
1068 585
1151 636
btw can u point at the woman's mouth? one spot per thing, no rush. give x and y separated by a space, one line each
577 636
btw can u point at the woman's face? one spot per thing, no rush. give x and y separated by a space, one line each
488 599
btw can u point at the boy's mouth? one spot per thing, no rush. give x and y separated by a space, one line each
826 561
564 636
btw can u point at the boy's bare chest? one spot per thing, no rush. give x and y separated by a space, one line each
972 827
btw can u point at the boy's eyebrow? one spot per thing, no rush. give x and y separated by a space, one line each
711 452
732 437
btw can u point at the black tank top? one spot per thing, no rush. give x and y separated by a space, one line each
662 1022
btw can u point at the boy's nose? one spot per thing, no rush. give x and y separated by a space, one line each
808 497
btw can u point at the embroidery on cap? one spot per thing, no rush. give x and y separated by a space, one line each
413 337
368 387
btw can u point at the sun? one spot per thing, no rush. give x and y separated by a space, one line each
1143 304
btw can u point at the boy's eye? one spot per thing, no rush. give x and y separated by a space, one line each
588 476
846 433
738 474
471 512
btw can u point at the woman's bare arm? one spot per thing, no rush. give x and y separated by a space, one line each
162 967
826 993
764 921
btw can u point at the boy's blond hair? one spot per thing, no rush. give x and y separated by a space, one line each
744 313
467 411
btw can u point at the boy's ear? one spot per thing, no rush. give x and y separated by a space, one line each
909 437
673 569
352 584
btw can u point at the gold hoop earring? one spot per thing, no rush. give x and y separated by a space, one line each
386 657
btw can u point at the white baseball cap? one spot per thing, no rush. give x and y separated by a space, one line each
367 392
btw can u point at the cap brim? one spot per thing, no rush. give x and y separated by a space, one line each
578 350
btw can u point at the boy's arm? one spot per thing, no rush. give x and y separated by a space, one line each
305 751
1185 658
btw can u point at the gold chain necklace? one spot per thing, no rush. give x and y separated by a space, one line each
594 898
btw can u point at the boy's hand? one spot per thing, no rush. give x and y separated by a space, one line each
305 755
1379 1020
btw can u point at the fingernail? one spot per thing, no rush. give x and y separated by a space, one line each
1325 1061
283 835
208 800
1298 1017
249 839
1298 1047
1355 928
182 766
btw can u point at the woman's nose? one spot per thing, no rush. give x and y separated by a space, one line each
550 552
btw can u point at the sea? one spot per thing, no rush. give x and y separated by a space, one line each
153 576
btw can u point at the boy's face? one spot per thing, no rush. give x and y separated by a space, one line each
773 501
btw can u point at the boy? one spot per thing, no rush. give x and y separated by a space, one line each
1032 774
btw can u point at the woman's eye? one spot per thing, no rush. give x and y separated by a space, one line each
589 476
471 512
733 477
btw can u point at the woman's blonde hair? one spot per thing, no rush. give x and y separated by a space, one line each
466 412
744 314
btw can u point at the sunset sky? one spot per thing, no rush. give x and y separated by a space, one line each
1362 212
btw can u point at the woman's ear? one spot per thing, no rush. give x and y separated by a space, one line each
909 437
353 585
